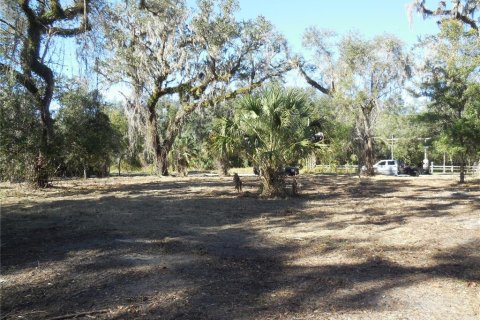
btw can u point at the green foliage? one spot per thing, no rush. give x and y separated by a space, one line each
452 85
338 128
126 154
362 76
274 124
19 135
224 140
184 153
195 57
29 53
409 135
89 139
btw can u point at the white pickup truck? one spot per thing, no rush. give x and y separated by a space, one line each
389 167
394 167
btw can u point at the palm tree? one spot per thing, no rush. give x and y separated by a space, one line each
224 141
275 127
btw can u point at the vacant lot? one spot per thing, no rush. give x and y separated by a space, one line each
192 248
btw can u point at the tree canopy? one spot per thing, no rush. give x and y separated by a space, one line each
451 82
362 76
198 58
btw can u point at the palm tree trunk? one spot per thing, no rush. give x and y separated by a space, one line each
224 165
273 183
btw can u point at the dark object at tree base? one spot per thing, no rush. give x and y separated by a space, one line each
292 171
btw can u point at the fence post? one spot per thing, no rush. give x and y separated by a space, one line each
444 160
431 167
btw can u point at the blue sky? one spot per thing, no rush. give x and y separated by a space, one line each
368 17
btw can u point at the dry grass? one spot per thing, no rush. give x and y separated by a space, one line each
193 248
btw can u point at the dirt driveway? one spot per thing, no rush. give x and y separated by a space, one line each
192 248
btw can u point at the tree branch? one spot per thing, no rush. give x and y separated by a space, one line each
448 13
315 84
71 32
24 80
58 13
25 5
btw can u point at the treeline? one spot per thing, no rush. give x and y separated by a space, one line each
189 79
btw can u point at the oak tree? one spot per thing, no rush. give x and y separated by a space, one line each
362 77
164 51
29 29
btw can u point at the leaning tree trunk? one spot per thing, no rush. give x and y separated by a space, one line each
30 63
164 149
273 183
39 25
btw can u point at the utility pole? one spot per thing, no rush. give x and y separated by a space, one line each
424 146
425 159
392 145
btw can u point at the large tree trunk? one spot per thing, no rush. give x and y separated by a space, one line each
368 140
41 174
273 183
160 150
164 149
162 159
369 155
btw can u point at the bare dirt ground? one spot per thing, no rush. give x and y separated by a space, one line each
192 248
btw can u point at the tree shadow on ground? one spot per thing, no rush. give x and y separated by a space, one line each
99 186
195 257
